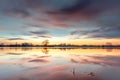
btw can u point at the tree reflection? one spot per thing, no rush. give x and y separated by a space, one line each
45 50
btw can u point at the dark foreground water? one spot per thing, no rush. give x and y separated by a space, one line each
59 64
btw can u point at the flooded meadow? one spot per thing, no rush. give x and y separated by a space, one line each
59 64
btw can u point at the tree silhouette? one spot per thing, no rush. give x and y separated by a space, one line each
45 43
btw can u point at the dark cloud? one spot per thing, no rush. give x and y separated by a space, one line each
80 4
72 9
15 39
85 10
19 12
35 25
45 36
64 13
42 36
102 32
41 32
61 7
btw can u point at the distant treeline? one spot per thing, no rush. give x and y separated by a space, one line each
60 46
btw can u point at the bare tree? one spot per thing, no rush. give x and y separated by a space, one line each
45 42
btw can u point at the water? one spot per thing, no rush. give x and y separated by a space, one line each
59 64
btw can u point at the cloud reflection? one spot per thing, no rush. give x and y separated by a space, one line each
39 60
73 64
98 60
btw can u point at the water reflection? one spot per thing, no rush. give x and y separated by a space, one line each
59 64
45 50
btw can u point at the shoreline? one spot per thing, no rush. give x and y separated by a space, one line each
105 47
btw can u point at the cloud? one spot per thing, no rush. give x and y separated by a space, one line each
42 32
19 13
63 7
63 10
35 25
45 36
102 32
66 13
15 39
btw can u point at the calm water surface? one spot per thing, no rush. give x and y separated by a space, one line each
59 64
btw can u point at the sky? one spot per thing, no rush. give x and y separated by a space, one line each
60 21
